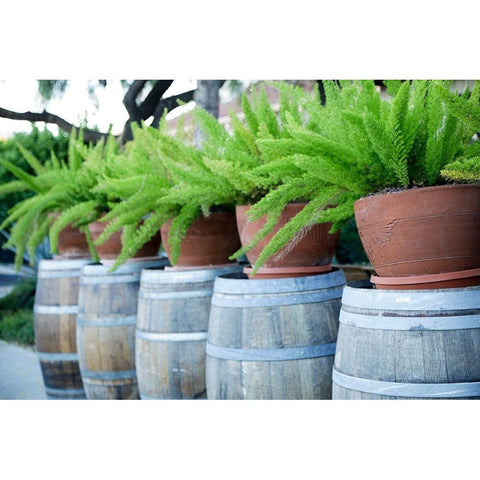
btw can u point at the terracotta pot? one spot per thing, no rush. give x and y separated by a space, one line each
315 249
208 241
112 247
423 231
72 243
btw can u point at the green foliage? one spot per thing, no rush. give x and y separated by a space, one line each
162 177
463 170
22 296
465 108
350 249
63 194
16 314
358 143
18 327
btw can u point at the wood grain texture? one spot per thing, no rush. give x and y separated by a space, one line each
276 329
106 329
56 302
173 312
425 354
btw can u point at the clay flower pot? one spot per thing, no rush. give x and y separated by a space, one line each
310 255
71 242
423 231
208 241
111 248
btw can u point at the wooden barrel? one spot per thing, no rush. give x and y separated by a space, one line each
106 329
55 316
173 311
409 344
273 339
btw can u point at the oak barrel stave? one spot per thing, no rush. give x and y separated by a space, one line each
55 314
273 339
173 312
409 344
106 329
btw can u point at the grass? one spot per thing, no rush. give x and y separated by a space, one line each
17 327
16 313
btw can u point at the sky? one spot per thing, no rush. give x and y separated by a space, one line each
21 95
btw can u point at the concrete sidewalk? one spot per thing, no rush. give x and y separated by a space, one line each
20 374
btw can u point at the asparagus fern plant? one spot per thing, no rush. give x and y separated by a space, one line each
467 110
61 187
238 158
170 181
357 144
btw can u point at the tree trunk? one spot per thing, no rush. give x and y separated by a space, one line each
206 96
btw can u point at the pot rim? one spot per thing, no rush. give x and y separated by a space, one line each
419 190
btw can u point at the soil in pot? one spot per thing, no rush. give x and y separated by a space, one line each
311 254
422 231
111 248
208 241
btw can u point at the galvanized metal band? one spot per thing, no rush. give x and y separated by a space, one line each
396 389
55 309
151 276
111 321
57 357
135 267
171 337
271 354
385 322
104 279
65 392
444 300
272 300
234 284
174 295
118 375
59 274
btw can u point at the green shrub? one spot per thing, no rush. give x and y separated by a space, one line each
18 327
16 312
350 249
22 296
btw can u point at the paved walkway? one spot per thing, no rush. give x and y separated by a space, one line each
20 374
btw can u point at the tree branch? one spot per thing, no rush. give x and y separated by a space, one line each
170 103
47 117
130 99
148 105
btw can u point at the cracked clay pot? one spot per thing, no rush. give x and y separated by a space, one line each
422 231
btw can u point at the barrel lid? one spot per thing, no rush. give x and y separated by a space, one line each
160 276
128 268
239 284
420 300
